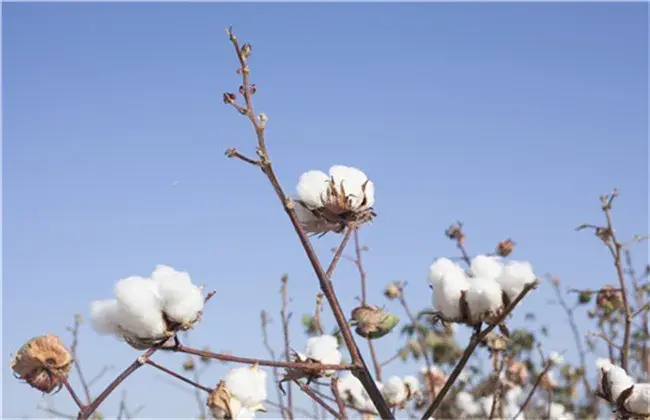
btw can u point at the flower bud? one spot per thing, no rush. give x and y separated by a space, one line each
43 362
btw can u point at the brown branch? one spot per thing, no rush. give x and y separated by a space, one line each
276 374
319 308
498 365
178 376
99 375
639 296
307 390
547 367
73 351
285 335
233 153
325 284
476 339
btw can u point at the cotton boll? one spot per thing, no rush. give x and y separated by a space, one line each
639 401
440 268
324 348
447 292
489 267
556 410
483 296
181 300
352 180
412 384
513 395
467 404
604 364
312 188
618 381
394 391
104 316
248 385
140 308
353 393
556 358
486 404
514 277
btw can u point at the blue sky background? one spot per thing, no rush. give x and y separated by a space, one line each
513 118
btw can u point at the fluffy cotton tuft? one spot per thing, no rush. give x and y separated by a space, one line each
639 401
514 277
448 281
140 306
486 404
247 385
412 383
618 380
324 348
353 393
558 411
395 391
484 296
486 266
556 358
356 185
467 404
138 313
182 301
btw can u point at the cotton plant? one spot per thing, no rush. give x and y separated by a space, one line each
240 394
481 293
329 202
617 387
148 311
395 391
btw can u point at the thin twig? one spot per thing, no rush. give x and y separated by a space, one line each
334 386
307 390
178 376
523 407
476 339
285 334
75 358
276 374
326 285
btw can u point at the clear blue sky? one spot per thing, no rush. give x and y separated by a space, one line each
510 117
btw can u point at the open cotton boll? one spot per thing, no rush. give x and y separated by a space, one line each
603 363
618 380
248 385
181 300
466 403
324 348
486 266
486 404
355 183
312 188
412 384
104 316
639 401
440 268
514 277
140 307
394 391
447 293
483 296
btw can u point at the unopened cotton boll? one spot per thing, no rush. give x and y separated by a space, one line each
514 277
394 391
182 301
140 306
247 385
484 296
104 316
486 266
639 401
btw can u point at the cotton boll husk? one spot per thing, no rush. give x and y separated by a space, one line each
483 296
447 293
618 380
104 316
515 276
140 307
486 266
352 180
248 385
312 188
467 404
639 401
394 390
